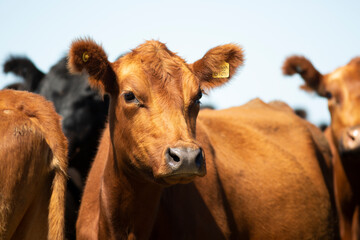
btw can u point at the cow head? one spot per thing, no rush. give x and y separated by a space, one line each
155 97
23 67
342 89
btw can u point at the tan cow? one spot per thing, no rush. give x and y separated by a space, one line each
33 164
264 166
342 89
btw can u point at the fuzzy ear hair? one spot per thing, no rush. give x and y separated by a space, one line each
86 55
218 65
302 66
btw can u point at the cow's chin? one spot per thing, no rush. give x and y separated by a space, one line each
171 180
177 179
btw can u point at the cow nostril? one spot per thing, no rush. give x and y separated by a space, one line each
199 159
353 134
174 156
350 140
351 137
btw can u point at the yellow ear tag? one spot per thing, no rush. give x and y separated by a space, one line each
224 71
85 56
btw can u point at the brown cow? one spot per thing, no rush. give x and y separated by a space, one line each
33 164
263 175
342 89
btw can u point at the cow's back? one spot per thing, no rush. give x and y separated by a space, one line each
23 180
32 166
264 179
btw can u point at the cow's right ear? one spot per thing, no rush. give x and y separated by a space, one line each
302 66
86 55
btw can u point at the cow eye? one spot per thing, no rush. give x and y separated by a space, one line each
199 96
130 97
328 95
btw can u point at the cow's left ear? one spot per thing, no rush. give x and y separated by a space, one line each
301 65
86 55
218 65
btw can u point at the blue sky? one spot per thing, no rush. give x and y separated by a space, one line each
326 32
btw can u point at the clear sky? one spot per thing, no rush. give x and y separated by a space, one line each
326 32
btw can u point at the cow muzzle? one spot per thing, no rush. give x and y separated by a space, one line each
350 140
185 162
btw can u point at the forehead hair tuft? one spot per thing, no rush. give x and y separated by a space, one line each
158 61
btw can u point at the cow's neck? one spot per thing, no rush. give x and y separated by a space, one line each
129 204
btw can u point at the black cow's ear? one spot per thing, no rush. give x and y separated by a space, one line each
25 68
302 66
218 65
86 55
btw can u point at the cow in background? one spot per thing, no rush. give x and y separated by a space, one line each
301 112
33 165
342 89
83 113
248 175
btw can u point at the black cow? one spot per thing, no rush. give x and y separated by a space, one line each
83 114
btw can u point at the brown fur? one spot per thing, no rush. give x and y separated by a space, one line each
355 61
33 167
99 69
158 61
302 66
261 182
210 63
342 87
